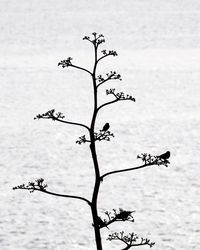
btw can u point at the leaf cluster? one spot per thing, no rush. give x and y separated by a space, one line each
131 239
109 52
96 40
100 136
149 159
65 63
119 95
82 139
50 115
121 215
32 186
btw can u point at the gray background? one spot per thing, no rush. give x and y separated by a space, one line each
159 57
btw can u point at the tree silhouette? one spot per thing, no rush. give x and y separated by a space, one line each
91 137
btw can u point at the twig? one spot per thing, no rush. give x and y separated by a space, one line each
67 63
58 117
149 160
130 240
124 170
39 185
110 76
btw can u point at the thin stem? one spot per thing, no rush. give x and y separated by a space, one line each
126 169
100 58
72 123
65 195
109 78
134 245
77 67
107 103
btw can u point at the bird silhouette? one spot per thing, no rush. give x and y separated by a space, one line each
164 156
106 127
123 215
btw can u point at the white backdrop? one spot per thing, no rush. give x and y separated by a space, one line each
159 58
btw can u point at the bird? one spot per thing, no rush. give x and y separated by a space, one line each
123 215
164 156
106 127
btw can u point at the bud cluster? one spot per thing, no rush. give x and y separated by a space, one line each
130 240
65 63
120 95
97 40
149 159
50 115
32 186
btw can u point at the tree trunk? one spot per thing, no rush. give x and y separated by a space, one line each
95 194
96 229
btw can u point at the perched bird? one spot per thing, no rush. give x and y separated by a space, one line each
164 156
106 127
124 215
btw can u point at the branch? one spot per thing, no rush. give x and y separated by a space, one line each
38 185
131 240
148 160
107 53
82 139
123 170
68 63
58 117
110 76
97 40
107 103
81 69
122 215
120 96
101 136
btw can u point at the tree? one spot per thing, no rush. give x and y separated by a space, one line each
91 138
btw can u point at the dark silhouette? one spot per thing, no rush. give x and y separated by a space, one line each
101 222
92 137
165 156
124 215
106 127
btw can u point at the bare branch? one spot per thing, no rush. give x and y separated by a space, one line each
120 96
58 117
68 63
148 160
107 103
39 185
107 53
81 69
123 170
109 76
